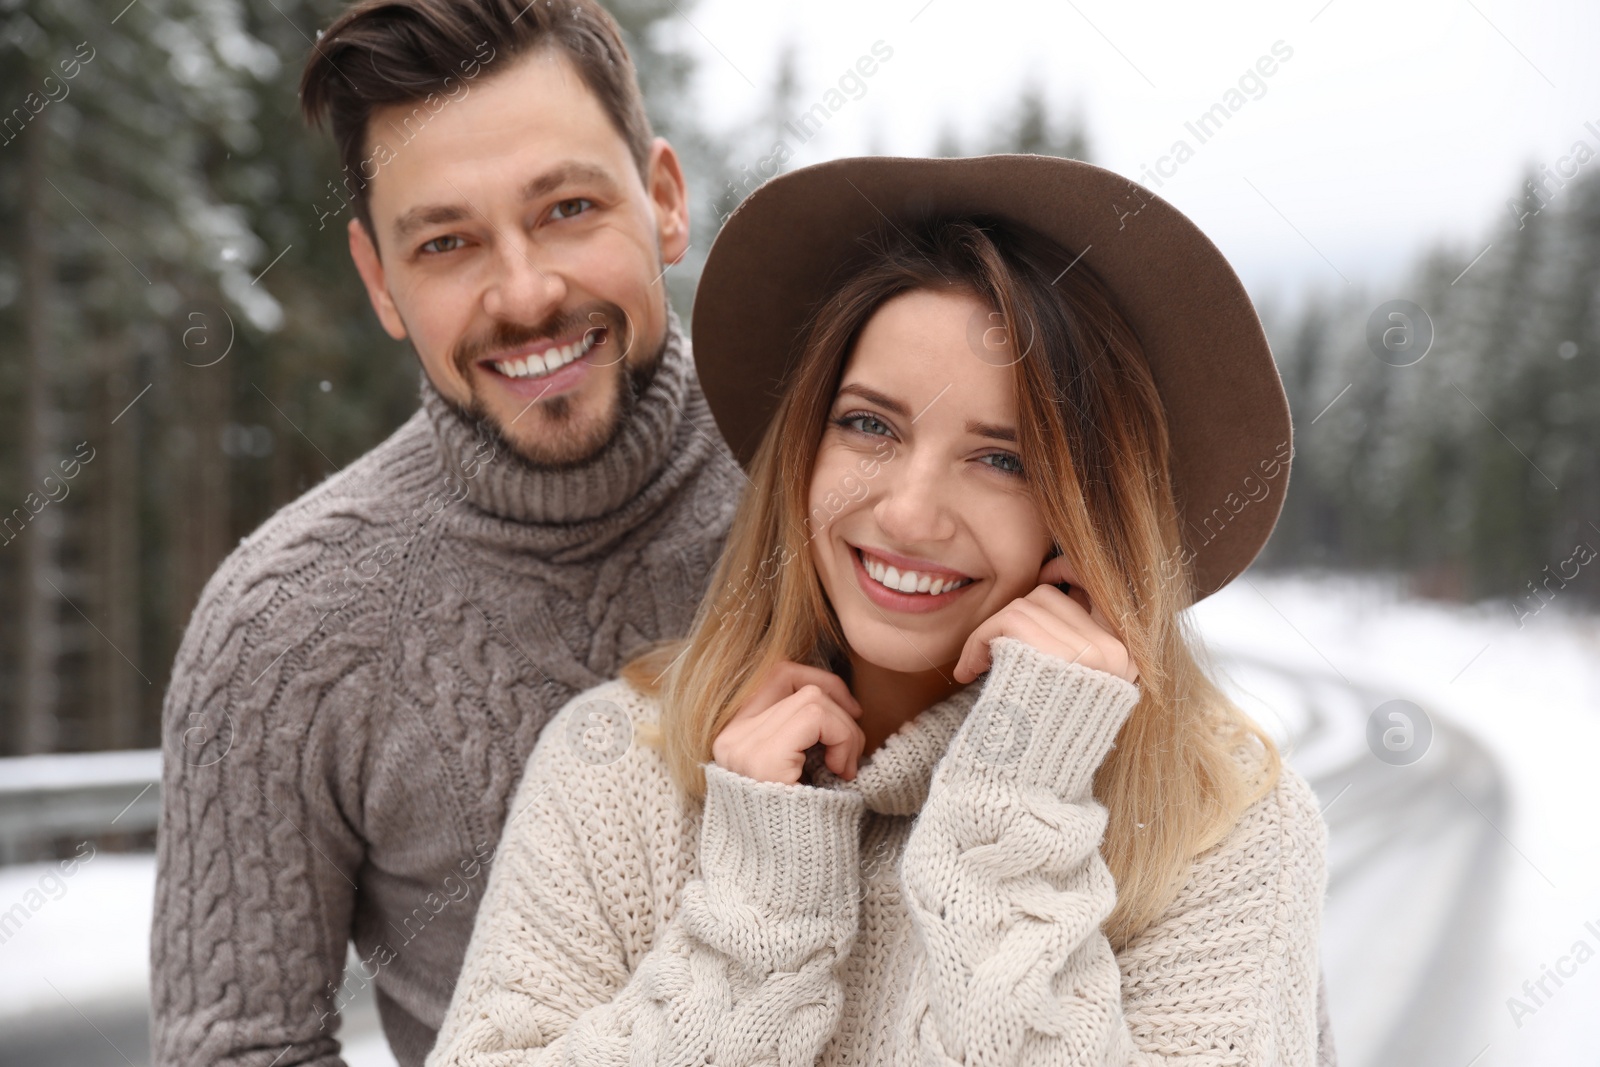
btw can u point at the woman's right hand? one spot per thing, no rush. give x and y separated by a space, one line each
796 707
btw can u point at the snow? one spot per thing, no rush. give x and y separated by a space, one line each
84 953
1530 694
25 773
87 938
1527 697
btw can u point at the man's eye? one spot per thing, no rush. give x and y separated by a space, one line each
442 244
568 208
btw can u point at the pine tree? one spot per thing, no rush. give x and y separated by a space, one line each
1034 129
1473 470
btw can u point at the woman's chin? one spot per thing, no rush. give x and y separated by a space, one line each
904 653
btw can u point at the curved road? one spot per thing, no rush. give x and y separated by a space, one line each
1415 864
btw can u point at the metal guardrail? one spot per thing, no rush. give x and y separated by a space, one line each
87 793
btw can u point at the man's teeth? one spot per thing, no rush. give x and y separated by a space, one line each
909 581
550 360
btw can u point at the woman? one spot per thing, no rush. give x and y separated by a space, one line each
935 777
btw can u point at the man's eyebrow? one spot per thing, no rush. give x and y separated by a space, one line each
895 407
419 218
569 174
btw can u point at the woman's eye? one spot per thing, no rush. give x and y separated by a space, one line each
442 244
566 209
863 423
1008 462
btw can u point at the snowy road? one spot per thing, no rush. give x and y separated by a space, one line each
1413 868
1460 880
1453 878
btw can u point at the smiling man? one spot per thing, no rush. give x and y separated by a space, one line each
364 677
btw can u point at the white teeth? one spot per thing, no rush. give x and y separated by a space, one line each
908 581
553 359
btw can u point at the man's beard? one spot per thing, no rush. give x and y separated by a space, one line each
557 411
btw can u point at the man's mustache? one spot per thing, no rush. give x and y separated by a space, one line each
507 336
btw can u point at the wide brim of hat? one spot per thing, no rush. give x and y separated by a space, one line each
1227 416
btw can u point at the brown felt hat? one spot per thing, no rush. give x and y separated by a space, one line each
1228 418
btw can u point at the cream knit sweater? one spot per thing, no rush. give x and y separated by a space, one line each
941 908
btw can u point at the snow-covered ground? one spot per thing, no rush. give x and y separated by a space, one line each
1529 695
73 972
1453 880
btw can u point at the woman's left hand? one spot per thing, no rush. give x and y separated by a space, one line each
1054 623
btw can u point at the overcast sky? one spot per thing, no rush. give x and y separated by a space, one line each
1393 123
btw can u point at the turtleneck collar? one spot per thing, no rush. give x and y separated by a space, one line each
509 489
896 778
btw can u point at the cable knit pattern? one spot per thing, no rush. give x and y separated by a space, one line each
942 907
356 698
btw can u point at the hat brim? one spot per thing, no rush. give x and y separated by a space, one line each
1227 415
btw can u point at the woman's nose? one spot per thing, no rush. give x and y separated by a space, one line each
914 502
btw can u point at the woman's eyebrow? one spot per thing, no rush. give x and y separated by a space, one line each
987 429
895 407
872 396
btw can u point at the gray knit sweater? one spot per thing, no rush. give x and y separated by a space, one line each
356 697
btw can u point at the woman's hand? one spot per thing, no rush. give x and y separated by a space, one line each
796 707
1056 623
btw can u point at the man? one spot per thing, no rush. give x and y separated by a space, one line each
364 678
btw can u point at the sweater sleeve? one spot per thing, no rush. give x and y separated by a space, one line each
744 972
255 859
1007 890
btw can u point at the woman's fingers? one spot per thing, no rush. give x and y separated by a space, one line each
1061 631
843 742
770 745
811 716
1054 623
829 683
1057 569
788 677
975 653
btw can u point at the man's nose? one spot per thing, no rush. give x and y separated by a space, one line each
522 289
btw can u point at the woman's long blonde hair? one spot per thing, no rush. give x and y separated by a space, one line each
1089 416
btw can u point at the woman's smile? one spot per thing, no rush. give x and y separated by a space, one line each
919 588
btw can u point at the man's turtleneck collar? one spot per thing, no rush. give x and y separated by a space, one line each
507 488
895 779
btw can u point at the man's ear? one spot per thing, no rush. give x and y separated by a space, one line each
370 267
669 196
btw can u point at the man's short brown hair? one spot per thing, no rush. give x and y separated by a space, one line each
384 52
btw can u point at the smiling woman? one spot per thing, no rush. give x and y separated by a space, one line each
1092 855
